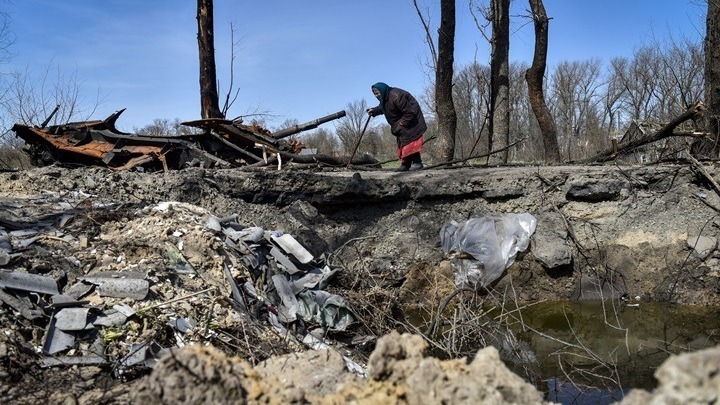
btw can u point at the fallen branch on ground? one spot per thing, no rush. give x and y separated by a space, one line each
451 162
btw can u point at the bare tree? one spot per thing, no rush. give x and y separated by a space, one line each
472 105
500 79
322 140
534 77
523 124
351 125
574 90
442 63
612 106
208 76
446 114
711 147
164 127
31 97
681 75
638 76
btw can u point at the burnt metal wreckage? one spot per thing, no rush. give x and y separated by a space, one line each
221 143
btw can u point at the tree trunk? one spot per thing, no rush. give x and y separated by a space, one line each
206 45
500 80
446 115
710 148
534 78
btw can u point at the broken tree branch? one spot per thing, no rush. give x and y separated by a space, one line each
705 173
476 156
667 131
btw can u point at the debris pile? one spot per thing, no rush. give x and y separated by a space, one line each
146 280
217 143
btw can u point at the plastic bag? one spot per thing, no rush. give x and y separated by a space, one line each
493 241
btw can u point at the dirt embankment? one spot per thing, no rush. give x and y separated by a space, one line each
641 233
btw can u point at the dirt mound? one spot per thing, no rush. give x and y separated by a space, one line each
398 373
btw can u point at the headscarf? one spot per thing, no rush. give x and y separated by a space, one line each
383 89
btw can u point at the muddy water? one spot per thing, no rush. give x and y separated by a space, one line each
590 352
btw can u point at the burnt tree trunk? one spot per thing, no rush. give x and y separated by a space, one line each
206 46
445 107
534 78
500 80
710 148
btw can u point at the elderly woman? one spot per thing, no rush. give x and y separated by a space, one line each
406 121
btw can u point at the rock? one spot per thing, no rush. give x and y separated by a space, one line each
549 243
4 257
391 352
398 360
594 192
318 372
692 378
702 246
198 374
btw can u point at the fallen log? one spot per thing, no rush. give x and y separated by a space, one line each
667 131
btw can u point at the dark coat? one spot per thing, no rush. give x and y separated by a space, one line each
403 114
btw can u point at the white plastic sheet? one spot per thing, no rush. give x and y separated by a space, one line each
493 241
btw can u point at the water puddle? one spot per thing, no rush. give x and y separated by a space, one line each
587 352
595 351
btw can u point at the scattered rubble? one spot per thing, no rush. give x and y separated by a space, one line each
203 280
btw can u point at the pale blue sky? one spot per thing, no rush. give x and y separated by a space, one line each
299 59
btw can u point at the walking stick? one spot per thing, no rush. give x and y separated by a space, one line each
358 141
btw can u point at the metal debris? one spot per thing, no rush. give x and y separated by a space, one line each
120 285
66 361
28 282
270 278
291 246
57 340
284 261
21 304
221 143
72 319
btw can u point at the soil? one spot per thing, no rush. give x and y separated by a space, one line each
636 233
